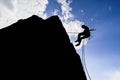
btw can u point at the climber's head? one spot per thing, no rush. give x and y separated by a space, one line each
84 27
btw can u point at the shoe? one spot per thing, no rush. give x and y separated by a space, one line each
77 44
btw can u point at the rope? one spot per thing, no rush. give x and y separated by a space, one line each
73 32
84 62
83 55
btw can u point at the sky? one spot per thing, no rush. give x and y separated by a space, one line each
102 51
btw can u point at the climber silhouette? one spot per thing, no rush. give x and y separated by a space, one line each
83 35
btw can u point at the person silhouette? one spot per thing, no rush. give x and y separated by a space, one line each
83 35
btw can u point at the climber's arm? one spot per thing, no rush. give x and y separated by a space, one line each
92 29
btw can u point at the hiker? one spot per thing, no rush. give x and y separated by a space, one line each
83 35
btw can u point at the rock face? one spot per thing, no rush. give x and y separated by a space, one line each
39 49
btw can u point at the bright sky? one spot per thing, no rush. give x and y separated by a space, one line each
102 50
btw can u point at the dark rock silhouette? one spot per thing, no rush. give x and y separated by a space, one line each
39 49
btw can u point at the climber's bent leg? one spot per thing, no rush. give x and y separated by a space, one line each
79 37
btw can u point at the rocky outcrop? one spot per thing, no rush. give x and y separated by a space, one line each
39 49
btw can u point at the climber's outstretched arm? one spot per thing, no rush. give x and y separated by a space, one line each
92 29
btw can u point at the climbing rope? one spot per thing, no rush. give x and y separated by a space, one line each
73 32
83 55
84 62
